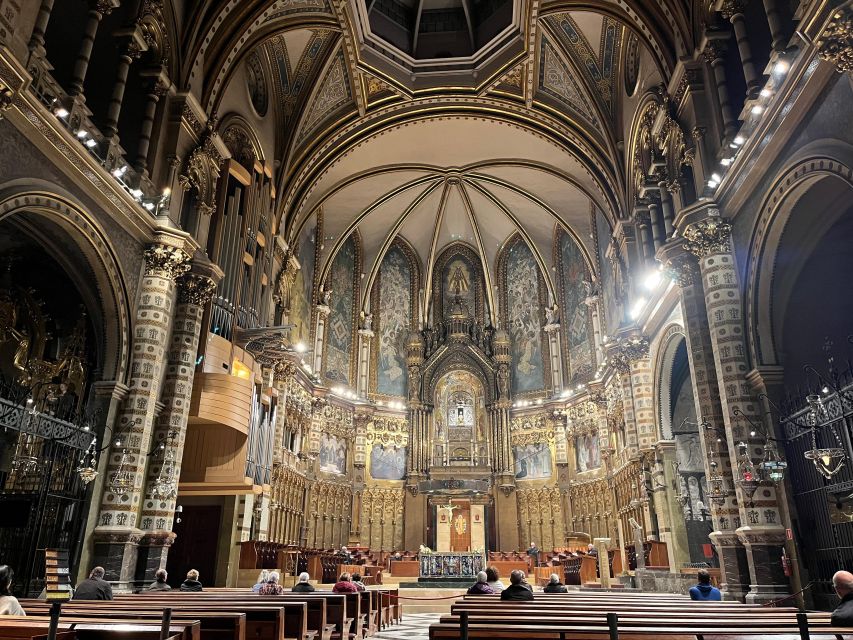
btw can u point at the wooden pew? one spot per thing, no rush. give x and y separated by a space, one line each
80 628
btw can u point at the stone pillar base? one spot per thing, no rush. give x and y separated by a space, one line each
764 546
116 550
734 565
152 552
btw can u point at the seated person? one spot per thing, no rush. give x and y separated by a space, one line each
481 587
518 588
303 586
9 605
494 579
554 585
271 587
191 583
704 590
345 585
356 580
842 581
94 587
591 550
262 580
346 556
159 583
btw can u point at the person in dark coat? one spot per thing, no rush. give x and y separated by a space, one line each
554 585
843 614
303 586
159 583
704 590
518 588
533 552
481 587
191 583
94 587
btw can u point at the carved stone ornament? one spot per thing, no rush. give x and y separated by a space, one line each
683 270
836 42
731 8
283 370
166 261
628 351
708 237
281 296
195 289
202 171
6 99
714 51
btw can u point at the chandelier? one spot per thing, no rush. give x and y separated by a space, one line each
716 492
88 462
121 481
827 460
772 467
747 476
25 461
165 486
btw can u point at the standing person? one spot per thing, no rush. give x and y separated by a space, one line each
842 581
704 590
533 553
345 585
191 583
271 587
356 580
303 586
9 605
262 579
518 588
94 587
159 583
493 579
554 585
481 587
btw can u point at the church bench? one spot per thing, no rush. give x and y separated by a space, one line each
85 628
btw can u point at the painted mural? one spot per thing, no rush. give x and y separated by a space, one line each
458 280
575 313
340 322
301 302
523 319
533 461
395 312
387 463
333 454
587 452
614 313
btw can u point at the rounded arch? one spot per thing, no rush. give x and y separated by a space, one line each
778 213
482 294
663 365
100 256
242 140
459 358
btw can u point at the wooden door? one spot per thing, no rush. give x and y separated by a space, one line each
195 544
460 527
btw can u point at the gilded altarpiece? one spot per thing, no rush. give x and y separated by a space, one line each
522 304
343 281
394 301
576 322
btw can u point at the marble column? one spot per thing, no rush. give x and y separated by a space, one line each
552 331
365 340
156 87
36 44
714 54
714 440
195 289
131 46
732 10
116 537
761 530
323 311
656 218
776 22
97 10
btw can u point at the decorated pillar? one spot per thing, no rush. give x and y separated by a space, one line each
323 311
156 86
195 290
131 46
714 54
418 454
36 44
365 340
552 331
732 10
760 530
117 534
714 440
97 10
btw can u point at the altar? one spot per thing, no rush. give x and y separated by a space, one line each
451 564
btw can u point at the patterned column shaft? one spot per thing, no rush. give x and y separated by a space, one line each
706 393
194 292
163 264
553 333
642 388
631 439
761 530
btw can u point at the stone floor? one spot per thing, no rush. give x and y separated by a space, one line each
415 626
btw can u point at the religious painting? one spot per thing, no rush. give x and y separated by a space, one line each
333 454
458 282
533 461
524 319
395 312
340 323
574 281
609 268
587 452
387 463
301 303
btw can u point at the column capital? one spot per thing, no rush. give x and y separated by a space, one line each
715 46
195 289
166 261
731 8
103 7
626 351
709 236
680 265
835 43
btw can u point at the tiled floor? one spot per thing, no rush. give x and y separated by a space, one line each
415 626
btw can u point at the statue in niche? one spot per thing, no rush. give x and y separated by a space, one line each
326 297
503 380
552 315
458 282
366 321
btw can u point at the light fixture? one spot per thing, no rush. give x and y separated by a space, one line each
772 467
712 184
61 112
82 133
652 279
747 477
739 140
121 481
136 193
781 67
726 161
637 309
756 110
765 93
88 462
300 347
715 177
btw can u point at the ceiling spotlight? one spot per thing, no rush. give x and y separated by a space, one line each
781 67
82 133
757 109
300 347
715 177
726 161
739 140
62 112
765 93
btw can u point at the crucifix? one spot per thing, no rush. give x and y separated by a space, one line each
449 507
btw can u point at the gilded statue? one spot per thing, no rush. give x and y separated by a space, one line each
458 281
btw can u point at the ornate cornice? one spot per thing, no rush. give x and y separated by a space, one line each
835 43
708 236
166 261
195 289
